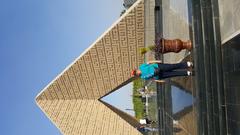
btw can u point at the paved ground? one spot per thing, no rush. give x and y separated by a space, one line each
176 25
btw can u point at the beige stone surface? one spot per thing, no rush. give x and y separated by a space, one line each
187 123
85 117
71 100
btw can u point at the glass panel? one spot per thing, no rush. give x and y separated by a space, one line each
146 109
179 110
151 106
231 70
140 101
230 17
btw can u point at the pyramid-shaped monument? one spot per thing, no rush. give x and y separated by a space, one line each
71 100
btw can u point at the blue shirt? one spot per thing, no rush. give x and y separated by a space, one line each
147 70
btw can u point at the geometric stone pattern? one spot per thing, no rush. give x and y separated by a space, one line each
85 117
71 100
106 64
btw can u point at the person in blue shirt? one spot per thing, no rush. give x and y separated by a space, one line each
157 70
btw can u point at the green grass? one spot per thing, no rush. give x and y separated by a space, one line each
137 103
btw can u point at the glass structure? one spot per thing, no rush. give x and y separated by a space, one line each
208 102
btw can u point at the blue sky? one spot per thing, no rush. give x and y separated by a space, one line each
38 39
122 99
180 99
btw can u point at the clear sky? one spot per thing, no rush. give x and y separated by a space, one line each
122 99
38 39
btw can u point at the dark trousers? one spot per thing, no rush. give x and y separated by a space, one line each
171 70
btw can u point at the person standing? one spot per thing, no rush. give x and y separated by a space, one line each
157 71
